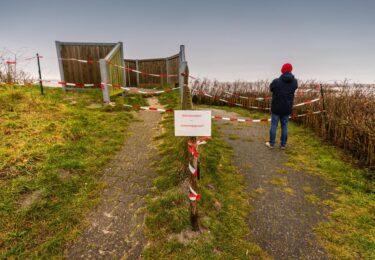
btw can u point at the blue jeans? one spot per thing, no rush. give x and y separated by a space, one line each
284 129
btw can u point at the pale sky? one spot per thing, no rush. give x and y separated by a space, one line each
225 40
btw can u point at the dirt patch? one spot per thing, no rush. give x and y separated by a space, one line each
94 106
30 198
282 220
116 225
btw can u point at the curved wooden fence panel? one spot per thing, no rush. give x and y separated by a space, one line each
166 67
79 72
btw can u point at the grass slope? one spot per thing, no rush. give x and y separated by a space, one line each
52 149
350 232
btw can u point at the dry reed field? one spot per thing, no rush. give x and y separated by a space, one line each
348 121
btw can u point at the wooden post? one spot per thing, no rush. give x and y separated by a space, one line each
104 79
324 121
9 80
167 69
322 95
161 77
137 68
194 217
15 68
187 104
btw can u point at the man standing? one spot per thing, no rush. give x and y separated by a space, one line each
282 89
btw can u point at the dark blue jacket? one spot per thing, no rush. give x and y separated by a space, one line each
283 89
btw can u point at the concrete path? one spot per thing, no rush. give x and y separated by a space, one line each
116 225
284 213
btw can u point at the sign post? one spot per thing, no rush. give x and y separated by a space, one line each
193 123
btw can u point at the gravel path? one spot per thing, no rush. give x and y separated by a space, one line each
116 225
284 213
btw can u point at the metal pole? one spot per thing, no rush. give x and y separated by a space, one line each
61 67
181 81
40 76
104 78
123 64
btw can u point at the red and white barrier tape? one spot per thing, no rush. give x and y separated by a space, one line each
13 62
193 195
148 74
79 84
70 84
79 60
150 108
121 67
262 119
192 148
253 107
307 102
135 90
248 98
226 118
193 170
231 103
307 114
241 119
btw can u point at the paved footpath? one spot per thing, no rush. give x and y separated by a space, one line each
282 219
116 225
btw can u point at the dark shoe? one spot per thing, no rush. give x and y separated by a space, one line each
282 147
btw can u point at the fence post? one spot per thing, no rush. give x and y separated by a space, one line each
322 95
137 68
40 75
61 67
9 80
104 79
324 119
181 81
167 69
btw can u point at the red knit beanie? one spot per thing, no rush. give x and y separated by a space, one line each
287 68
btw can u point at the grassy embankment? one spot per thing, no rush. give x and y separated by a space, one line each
52 149
350 232
223 208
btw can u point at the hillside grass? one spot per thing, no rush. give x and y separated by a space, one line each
52 150
223 208
350 231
